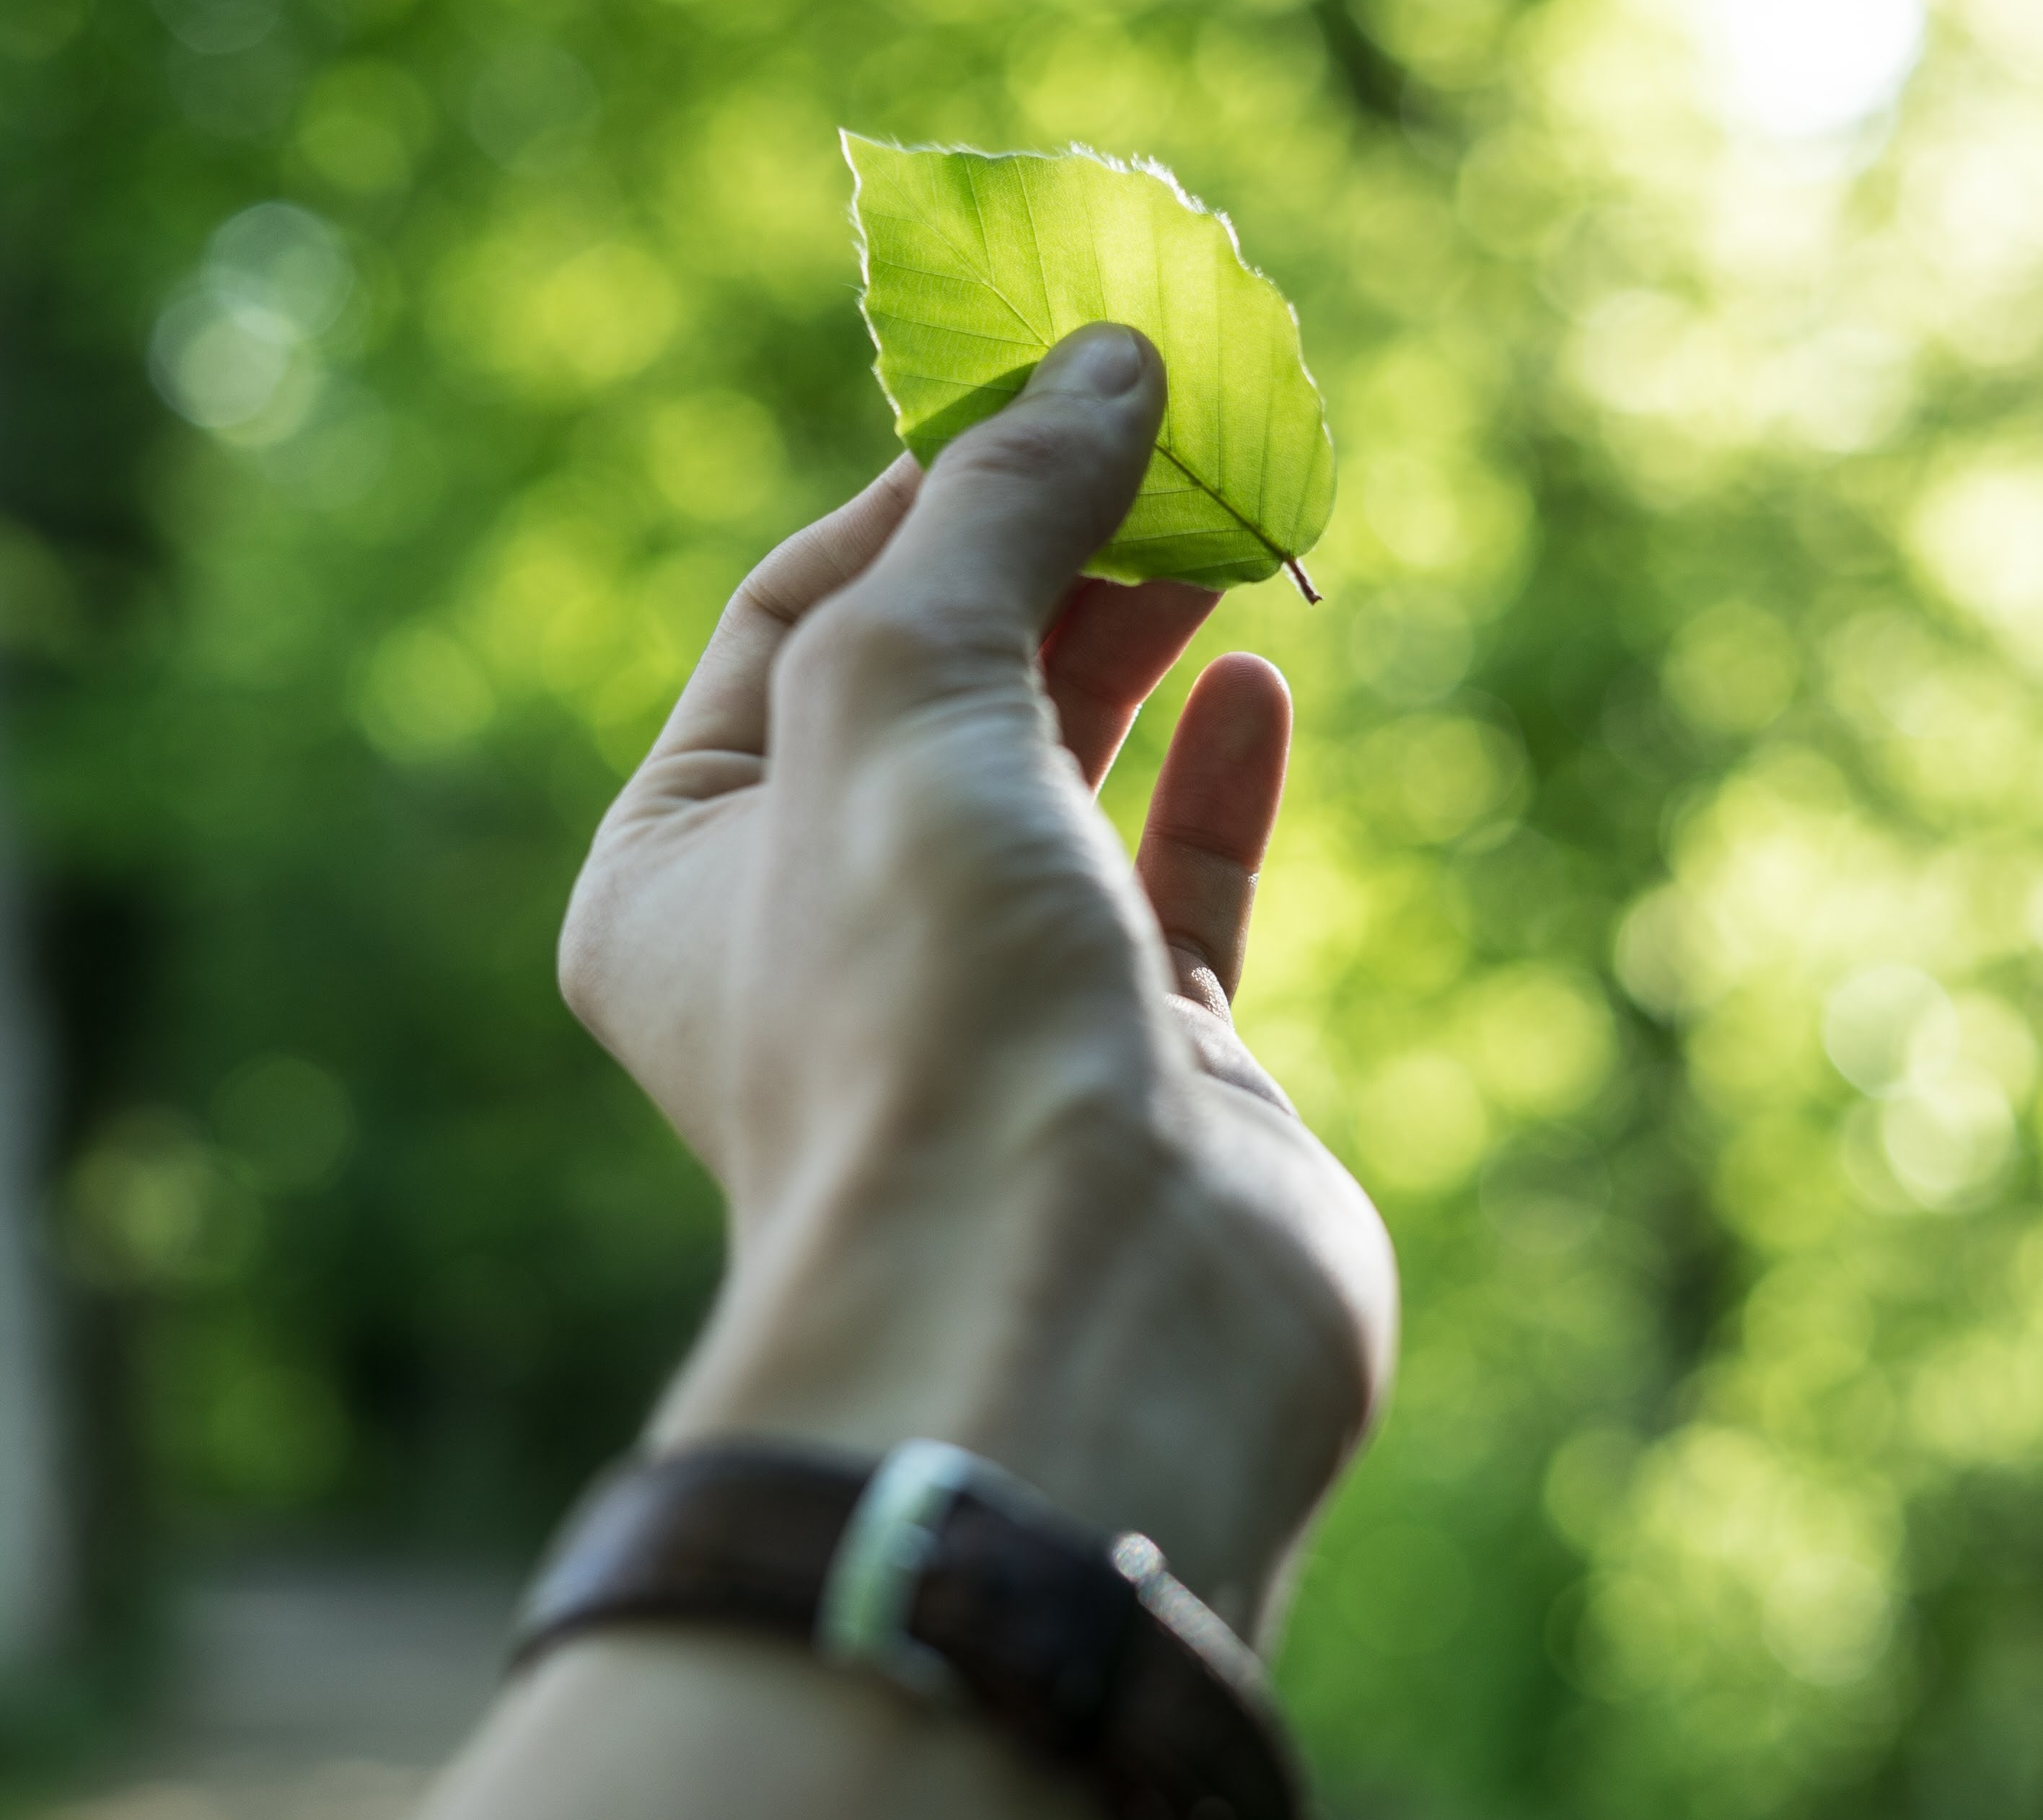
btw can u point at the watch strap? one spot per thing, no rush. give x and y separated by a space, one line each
957 1580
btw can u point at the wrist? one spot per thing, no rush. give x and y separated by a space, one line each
1094 1310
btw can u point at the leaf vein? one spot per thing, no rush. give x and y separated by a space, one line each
1262 468
951 328
1160 536
961 384
985 240
985 284
1036 241
1220 500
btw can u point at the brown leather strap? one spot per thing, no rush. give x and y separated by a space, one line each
1078 1643
737 1532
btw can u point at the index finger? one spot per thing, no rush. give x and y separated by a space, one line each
722 708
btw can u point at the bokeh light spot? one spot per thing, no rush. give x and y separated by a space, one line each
290 1120
1979 532
1731 670
1420 1123
363 127
1798 69
1543 1042
213 367
424 695
716 456
533 107
1947 1138
1827 1619
1871 1018
214 28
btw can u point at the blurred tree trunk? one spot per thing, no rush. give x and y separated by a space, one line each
35 1557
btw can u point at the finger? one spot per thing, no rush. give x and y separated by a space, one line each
723 707
1210 820
1108 649
1006 518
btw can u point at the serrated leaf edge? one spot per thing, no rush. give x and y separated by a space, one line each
1148 167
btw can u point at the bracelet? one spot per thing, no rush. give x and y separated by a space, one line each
956 1580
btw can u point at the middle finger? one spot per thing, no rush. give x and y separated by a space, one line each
1110 647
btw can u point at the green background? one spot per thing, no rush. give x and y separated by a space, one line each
1654 924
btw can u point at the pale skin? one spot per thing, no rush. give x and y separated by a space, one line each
999 1171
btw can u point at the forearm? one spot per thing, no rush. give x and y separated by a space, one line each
1169 1298
674 1725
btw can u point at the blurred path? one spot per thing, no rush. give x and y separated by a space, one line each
35 1565
317 1691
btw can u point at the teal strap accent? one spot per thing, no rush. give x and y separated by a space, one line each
862 1616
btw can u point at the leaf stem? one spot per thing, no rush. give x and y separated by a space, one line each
1297 568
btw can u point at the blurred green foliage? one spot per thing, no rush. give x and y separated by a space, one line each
394 389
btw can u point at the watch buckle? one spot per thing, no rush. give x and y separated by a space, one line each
869 1590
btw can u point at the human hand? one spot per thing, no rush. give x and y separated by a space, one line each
999 1171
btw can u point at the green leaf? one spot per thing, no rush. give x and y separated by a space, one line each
975 265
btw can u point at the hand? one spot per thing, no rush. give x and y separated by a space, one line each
999 1171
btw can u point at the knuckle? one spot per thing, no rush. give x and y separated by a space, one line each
764 592
803 569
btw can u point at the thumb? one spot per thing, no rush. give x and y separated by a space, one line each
1012 508
1007 515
